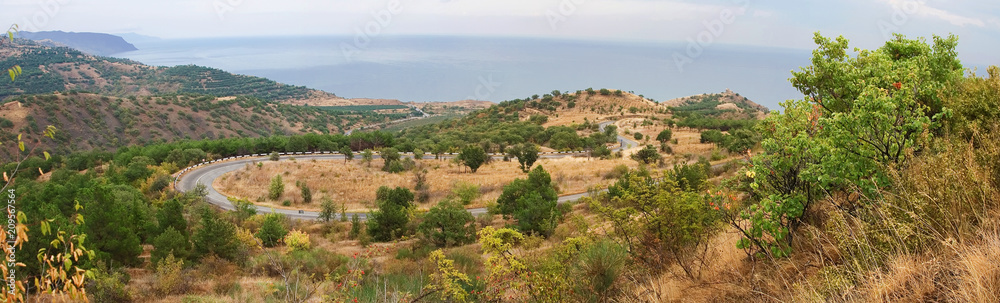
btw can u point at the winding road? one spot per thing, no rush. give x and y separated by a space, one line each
206 173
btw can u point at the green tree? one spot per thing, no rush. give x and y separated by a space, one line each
526 154
647 155
531 202
389 155
473 156
169 242
328 210
171 215
367 156
418 154
277 188
114 214
216 236
306 193
272 230
448 224
389 221
348 154
665 135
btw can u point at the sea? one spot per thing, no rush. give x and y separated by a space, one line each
447 68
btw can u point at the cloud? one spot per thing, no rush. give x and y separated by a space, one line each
921 8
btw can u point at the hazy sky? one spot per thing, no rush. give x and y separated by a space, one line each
765 23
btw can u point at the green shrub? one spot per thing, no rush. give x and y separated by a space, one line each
465 192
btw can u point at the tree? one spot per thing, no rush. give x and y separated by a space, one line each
448 224
647 155
526 155
390 156
473 156
389 221
328 210
171 215
113 220
306 193
418 154
348 154
277 188
664 135
169 242
272 230
531 202
366 156
638 135
216 236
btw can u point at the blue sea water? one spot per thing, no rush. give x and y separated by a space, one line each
432 68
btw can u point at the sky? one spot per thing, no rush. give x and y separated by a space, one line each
783 24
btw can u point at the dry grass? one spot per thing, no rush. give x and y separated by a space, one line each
355 183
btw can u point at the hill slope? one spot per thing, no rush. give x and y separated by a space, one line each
87 121
52 69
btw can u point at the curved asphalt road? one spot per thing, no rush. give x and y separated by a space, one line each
206 174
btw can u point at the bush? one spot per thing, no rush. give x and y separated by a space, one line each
448 224
638 136
109 286
465 192
170 278
601 268
297 240
274 156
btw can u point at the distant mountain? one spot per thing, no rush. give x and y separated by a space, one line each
91 43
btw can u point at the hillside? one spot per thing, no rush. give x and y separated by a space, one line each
87 121
727 104
50 69
91 43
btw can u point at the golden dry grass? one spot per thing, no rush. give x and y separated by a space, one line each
355 184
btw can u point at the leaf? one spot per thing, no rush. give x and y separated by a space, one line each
5 178
47 156
20 145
